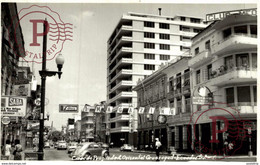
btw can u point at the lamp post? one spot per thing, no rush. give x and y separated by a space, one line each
44 73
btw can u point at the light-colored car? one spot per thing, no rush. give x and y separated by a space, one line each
88 151
62 145
127 147
47 145
72 147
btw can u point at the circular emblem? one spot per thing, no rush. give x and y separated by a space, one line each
6 120
162 119
37 102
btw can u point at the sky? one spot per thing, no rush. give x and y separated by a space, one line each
83 80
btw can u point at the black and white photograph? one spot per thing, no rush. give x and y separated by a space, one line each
128 81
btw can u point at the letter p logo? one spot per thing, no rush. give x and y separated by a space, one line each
35 33
214 127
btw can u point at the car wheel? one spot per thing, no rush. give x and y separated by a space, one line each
105 155
87 156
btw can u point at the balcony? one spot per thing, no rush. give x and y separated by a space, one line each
235 42
122 73
120 42
88 122
235 75
121 85
119 129
122 62
123 95
123 50
200 58
120 118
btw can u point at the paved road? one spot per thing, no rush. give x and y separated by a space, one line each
116 155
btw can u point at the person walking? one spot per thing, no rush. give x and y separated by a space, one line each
8 149
17 150
158 145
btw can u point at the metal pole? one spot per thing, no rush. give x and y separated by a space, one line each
43 79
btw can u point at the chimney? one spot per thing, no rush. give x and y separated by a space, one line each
159 10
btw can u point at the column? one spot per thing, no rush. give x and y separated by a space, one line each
252 96
185 137
177 137
200 136
250 61
235 95
183 104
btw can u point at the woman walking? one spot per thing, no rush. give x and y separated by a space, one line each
17 150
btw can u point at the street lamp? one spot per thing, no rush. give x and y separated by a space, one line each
44 73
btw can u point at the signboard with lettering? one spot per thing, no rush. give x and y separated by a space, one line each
224 14
13 106
201 100
69 108
22 90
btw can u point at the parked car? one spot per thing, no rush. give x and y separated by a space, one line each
103 145
88 150
55 144
127 147
62 145
72 147
47 145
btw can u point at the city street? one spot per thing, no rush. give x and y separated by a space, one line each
116 155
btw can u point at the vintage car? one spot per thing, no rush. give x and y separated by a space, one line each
62 145
72 147
88 150
127 147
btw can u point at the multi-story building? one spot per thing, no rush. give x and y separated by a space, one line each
77 130
167 87
224 67
87 123
137 47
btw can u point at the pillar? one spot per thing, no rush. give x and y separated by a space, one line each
177 137
185 137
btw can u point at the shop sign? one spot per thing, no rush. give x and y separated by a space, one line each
13 106
6 120
22 90
224 14
69 108
201 100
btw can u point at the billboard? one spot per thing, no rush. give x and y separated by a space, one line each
22 90
13 106
69 108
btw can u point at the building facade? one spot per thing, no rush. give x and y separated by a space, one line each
167 87
137 47
87 123
224 63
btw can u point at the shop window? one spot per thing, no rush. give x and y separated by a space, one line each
230 95
243 94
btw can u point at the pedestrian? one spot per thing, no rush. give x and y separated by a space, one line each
8 149
158 145
17 150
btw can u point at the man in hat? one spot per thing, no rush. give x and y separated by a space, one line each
158 144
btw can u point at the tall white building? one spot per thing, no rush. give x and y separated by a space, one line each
137 47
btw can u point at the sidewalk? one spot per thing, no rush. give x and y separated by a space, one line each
185 154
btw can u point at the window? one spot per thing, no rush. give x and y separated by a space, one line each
178 82
164 47
197 50
164 57
186 39
198 76
230 95
227 33
187 104
242 61
243 94
240 29
194 20
183 19
148 35
171 87
255 93
149 45
207 45
178 107
253 29
149 56
185 49
209 69
184 28
149 67
229 62
164 26
148 24
196 30
165 36
254 60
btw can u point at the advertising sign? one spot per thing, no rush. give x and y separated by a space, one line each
69 108
201 100
22 90
13 106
